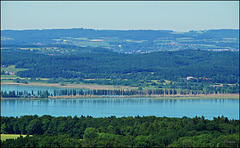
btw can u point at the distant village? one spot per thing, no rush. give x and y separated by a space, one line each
206 80
200 78
7 72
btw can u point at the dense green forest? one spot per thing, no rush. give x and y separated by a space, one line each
136 131
127 69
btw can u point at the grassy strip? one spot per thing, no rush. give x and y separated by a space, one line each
222 96
226 96
9 76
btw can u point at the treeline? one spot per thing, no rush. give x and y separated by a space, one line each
25 94
115 92
222 67
136 131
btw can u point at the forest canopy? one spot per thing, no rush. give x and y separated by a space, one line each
120 132
223 67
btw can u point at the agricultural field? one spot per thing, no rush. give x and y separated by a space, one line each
9 73
12 68
83 42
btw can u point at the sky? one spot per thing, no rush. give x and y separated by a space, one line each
178 16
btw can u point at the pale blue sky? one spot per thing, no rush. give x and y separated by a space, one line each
130 15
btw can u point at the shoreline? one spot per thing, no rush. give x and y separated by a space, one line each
82 86
210 96
110 87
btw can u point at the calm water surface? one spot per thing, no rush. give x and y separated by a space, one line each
104 107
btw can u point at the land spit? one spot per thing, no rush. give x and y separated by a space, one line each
82 86
200 96
108 87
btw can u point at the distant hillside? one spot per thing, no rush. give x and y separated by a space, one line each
128 41
171 65
220 33
56 49
89 33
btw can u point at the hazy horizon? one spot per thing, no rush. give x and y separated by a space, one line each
114 29
180 16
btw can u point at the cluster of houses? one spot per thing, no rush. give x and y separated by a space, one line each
7 72
200 78
208 80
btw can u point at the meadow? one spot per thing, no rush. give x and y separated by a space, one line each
11 136
12 68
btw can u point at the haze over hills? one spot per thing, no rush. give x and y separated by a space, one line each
126 41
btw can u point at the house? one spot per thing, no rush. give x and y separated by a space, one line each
221 85
188 78
10 72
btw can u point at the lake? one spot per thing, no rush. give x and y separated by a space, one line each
105 107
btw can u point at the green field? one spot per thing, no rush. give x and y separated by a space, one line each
11 136
12 68
9 77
